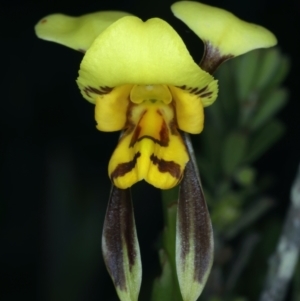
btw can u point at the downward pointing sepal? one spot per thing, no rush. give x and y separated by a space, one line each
194 236
120 245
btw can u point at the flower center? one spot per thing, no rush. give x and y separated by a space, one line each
153 93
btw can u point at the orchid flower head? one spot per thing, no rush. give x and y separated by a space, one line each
143 82
151 90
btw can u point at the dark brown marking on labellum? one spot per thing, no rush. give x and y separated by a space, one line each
123 168
194 221
119 228
161 143
103 90
137 131
173 123
167 166
81 50
44 21
173 128
135 136
164 134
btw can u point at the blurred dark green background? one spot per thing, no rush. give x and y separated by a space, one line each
54 185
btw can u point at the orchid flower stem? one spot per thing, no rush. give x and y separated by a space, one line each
169 203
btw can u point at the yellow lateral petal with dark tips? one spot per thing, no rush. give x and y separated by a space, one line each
189 111
229 34
111 108
152 151
76 32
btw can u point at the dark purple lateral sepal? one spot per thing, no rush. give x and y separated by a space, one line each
194 235
120 245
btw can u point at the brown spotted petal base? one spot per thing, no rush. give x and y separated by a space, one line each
212 58
194 235
120 245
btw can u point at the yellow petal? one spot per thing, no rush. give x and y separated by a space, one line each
140 93
152 150
111 109
189 106
131 51
76 32
189 111
229 34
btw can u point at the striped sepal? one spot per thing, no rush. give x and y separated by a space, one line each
120 245
194 236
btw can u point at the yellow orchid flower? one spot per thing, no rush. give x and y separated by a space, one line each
143 80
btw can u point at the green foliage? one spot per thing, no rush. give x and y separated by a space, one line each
242 125
239 128
234 150
166 286
264 139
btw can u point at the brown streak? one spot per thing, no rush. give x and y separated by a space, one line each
194 219
135 136
101 91
123 168
206 94
167 166
202 90
212 58
106 89
164 135
173 128
161 143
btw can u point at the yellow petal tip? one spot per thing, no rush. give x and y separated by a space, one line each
76 32
221 29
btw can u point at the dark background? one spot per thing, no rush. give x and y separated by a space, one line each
53 162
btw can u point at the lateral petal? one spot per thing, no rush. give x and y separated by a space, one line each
111 109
